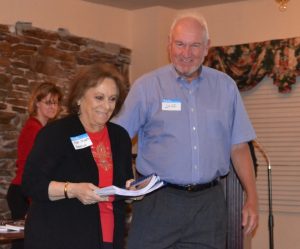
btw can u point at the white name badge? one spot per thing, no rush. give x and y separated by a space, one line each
81 141
170 105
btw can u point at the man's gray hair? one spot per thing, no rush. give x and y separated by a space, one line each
196 16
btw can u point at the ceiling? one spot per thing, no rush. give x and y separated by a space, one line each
174 4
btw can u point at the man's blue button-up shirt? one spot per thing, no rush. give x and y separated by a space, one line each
185 130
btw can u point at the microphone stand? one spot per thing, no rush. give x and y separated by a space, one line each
271 220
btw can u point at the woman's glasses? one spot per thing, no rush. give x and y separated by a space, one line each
49 103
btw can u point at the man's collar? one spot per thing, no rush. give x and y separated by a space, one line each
179 77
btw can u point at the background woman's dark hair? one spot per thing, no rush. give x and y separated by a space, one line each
89 77
40 92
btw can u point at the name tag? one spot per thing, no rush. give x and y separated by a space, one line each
170 105
81 141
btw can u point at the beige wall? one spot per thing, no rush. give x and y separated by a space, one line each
79 17
145 32
251 21
150 28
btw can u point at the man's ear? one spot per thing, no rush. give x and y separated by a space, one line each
207 47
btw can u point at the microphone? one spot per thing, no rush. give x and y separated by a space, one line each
260 148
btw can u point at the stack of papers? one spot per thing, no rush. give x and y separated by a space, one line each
142 186
12 226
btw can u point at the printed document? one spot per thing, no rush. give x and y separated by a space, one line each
142 186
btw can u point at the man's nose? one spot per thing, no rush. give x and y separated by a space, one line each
186 51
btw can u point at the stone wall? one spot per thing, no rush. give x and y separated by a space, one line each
29 56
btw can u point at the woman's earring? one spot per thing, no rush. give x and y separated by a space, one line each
78 104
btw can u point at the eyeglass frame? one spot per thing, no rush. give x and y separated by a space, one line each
49 103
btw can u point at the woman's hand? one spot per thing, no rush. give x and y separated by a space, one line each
84 192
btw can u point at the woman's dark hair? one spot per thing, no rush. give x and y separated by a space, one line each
89 77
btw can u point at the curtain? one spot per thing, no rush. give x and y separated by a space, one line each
249 63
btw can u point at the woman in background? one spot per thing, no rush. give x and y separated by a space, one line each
70 159
43 106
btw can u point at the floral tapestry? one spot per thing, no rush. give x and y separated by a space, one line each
249 63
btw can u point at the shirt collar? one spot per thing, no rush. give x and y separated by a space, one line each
181 79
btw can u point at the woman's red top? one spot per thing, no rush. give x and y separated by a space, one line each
25 143
101 151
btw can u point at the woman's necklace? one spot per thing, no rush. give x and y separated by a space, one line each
101 149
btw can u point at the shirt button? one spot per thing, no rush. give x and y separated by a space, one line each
192 109
194 128
195 147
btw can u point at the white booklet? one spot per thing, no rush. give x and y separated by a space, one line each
12 226
144 185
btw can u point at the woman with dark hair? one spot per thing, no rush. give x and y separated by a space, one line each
42 107
85 151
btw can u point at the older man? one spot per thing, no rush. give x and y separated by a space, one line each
190 121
